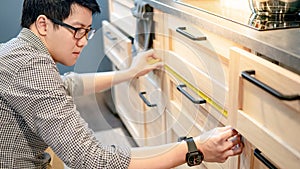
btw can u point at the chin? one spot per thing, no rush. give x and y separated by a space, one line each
68 63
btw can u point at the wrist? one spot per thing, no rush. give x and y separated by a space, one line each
193 156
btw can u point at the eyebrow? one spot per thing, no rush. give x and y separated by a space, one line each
82 25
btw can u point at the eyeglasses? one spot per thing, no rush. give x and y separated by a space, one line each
79 32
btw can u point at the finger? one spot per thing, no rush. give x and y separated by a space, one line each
229 133
225 128
152 61
158 65
149 52
234 151
232 142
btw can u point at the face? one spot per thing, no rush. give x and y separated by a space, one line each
62 45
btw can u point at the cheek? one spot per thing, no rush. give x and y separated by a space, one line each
63 51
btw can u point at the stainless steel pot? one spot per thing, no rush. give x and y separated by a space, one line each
268 7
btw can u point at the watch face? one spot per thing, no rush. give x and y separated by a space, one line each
194 158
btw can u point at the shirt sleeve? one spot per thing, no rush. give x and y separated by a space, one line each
73 84
41 99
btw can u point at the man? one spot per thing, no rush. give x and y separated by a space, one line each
36 106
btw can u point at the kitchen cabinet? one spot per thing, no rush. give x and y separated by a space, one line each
187 113
154 106
140 101
201 65
266 110
207 62
129 108
117 46
121 17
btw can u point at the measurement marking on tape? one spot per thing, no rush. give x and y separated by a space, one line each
200 93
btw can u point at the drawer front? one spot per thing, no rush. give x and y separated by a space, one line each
211 72
187 118
179 124
266 121
117 46
154 104
209 54
121 16
130 110
252 157
197 84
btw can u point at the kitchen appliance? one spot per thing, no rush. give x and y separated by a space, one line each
267 7
257 14
272 14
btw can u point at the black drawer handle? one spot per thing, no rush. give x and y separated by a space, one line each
186 94
182 30
141 94
247 75
258 155
109 36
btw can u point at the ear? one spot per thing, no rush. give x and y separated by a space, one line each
42 24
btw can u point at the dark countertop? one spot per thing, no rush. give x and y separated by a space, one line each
282 45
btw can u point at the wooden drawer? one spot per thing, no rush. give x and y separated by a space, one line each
121 16
117 46
266 121
205 51
184 128
154 104
187 117
130 110
180 124
198 85
252 157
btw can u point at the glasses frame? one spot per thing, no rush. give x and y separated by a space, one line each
89 33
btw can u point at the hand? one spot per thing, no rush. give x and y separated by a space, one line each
219 144
145 62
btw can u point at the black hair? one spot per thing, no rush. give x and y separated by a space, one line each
58 9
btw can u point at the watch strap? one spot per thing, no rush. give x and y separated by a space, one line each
191 144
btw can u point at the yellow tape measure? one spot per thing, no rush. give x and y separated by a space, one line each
200 93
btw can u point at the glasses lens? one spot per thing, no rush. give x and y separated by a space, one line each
80 33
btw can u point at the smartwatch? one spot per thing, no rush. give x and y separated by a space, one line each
193 156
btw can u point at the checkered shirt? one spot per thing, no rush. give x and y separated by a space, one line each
36 111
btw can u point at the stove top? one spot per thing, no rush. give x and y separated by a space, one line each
244 16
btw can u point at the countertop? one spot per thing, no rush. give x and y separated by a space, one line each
281 45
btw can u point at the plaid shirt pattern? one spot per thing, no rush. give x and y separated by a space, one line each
37 111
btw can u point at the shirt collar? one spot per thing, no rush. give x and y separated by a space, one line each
31 37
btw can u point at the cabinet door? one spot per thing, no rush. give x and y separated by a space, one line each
266 107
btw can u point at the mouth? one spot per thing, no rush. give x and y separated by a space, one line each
76 53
